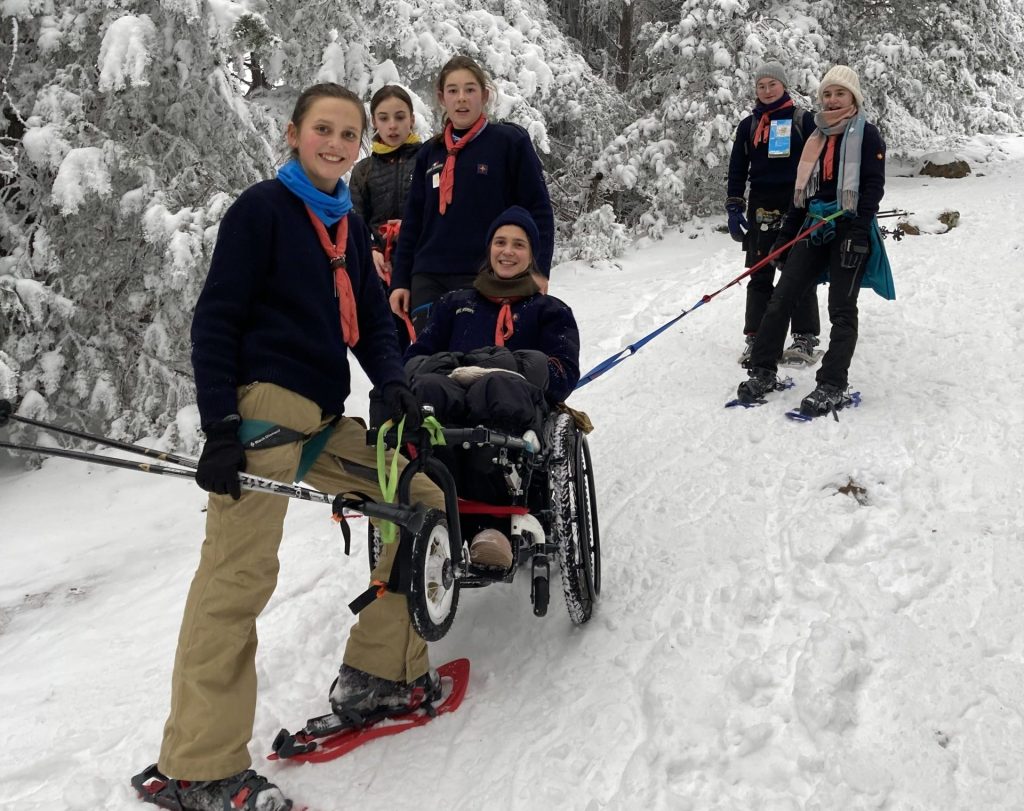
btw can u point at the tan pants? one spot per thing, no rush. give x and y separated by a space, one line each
213 687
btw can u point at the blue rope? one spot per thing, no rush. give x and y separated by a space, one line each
632 349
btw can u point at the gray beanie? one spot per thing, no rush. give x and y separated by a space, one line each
771 70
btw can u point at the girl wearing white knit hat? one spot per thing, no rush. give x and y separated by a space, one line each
766 151
842 167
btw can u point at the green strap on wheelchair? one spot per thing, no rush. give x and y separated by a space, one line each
259 434
389 483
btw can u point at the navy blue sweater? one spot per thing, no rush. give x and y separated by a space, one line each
872 184
464 320
497 169
268 310
769 177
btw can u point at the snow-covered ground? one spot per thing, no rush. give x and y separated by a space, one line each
795 616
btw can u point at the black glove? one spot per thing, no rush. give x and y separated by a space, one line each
854 250
222 459
399 401
6 409
779 261
737 222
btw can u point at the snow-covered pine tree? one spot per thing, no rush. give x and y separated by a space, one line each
931 72
671 163
126 133
125 137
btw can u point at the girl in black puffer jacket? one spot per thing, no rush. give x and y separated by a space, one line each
380 182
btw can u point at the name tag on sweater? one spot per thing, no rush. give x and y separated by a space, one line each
434 173
779 137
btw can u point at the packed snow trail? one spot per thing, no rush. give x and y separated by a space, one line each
815 616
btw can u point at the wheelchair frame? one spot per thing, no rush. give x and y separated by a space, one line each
553 513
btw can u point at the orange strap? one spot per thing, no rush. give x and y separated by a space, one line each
409 328
504 328
447 185
828 166
389 231
342 283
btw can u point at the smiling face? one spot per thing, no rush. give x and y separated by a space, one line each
463 98
769 90
393 121
835 97
326 141
510 251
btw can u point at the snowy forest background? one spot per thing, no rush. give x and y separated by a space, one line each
127 127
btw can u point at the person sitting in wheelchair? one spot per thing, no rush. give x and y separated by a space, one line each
501 355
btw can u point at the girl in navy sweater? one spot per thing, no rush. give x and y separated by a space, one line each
462 180
766 150
290 292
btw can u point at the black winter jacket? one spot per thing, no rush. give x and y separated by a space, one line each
380 186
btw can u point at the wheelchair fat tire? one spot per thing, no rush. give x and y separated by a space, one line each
574 508
434 590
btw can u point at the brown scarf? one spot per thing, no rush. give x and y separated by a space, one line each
504 292
447 189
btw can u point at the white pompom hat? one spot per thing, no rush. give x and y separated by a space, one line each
844 77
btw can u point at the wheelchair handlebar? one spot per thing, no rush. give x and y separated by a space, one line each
468 436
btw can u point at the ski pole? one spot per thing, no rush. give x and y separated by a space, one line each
163 456
248 481
632 349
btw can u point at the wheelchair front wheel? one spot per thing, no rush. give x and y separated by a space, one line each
574 507
434 590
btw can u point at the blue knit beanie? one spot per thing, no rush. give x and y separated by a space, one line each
517 215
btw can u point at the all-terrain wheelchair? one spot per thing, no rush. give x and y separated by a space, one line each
549 511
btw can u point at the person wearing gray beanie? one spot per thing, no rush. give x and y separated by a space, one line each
765 151
771 70
840 180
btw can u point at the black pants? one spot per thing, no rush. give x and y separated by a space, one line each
804 266
760 285
428 288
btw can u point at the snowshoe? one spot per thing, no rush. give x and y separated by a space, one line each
364 718
246 791
803 351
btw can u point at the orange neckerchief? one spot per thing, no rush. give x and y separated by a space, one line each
454 147
342 283
505 327
761 133
828 166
